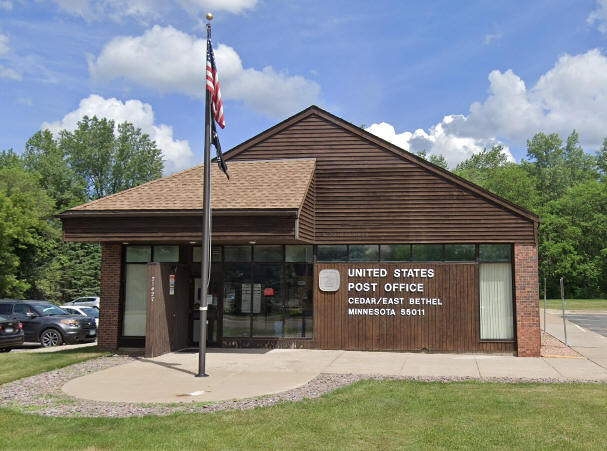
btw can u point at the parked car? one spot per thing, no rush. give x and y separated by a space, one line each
47 323
11 334
91 301
91 312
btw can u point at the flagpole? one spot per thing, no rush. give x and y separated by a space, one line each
206 226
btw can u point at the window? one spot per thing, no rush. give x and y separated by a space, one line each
494 252
496 314
267 253
135 299
460 252
364 253
333 253
5 309
197 254
138 254
296 253
237 253
166 253
427 252
395 252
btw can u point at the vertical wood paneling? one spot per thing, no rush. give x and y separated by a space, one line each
452 327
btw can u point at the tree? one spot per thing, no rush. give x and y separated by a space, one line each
438 160
26 237
479 166
108 162
43 155
601 160
573 243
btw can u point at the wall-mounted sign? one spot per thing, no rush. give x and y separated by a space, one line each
268 291
328 280
172 284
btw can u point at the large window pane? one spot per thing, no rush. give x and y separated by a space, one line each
267 300
136 254
135 295
364 253
395 252
166 253
494 252
427 252
460 252
332 253
496 301
237 300
267 253
299 253
237 253
298 302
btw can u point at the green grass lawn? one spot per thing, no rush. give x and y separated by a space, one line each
367 415
17 365
576 304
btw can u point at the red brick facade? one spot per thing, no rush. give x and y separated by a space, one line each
527 296
109 315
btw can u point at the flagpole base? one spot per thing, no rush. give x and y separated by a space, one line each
202 375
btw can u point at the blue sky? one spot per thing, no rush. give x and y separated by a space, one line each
442 76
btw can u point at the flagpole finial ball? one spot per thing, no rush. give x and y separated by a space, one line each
209 16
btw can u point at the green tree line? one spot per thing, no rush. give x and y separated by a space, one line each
54 173
567 188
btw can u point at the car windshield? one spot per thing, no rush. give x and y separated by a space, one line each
90 311
49 310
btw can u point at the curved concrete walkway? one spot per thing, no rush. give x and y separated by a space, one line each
236 374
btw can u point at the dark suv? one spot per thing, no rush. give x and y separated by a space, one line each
47 323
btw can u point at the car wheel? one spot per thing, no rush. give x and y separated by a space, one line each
5 349
51 337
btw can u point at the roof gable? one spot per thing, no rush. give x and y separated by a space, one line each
397 151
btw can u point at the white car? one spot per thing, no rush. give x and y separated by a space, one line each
84 310
90 301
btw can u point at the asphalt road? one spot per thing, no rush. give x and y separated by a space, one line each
594 322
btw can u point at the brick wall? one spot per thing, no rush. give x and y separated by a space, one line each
527 296
109 315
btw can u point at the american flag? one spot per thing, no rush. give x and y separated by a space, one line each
213 86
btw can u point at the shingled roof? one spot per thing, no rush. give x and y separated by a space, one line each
253 185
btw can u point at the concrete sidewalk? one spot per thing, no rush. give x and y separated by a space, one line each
591 345
249 373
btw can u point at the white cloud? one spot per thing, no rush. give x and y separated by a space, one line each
169 60
599 15
11 74
116 10
492 37
176 153
4 48
571 95
436 141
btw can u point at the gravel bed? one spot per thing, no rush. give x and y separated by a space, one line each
42 395
553 347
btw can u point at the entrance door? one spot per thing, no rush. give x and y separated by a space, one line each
213 314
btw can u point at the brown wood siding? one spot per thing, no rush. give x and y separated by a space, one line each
452 327
180 228
307 215
365 193
167 314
